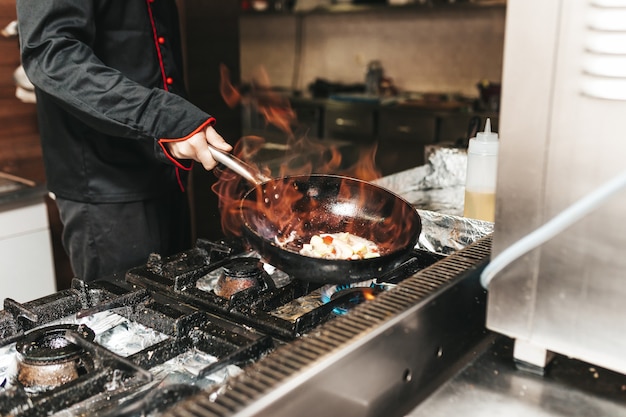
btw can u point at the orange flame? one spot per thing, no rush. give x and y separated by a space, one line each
228 91
369 295
275 108
301 157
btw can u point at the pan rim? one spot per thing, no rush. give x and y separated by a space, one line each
389 255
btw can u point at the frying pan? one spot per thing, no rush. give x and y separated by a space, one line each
279 215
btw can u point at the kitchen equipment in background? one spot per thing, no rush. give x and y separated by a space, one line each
308 5
563 124
404 133
437 101
472 129
376 83
489 96
359 1
255 5
283 5
321 88
373 77
267 5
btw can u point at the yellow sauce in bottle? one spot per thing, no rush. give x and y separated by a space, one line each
480 206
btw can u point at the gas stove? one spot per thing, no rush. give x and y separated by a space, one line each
216 331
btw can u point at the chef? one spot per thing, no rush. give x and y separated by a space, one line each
118 135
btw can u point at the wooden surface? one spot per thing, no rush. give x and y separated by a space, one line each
20 149
19 138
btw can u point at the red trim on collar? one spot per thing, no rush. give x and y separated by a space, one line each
157 45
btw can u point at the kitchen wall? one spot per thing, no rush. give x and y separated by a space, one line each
19 137
442 50
20 149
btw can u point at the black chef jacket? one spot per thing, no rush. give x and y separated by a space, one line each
109 86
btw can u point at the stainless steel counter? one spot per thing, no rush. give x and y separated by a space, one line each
491 385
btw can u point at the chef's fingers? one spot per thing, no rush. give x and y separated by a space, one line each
194 148
217 140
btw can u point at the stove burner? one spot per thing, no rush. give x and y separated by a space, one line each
238 275
345 296
47 359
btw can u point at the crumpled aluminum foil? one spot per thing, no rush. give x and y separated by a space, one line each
448 168
438 186
437 191
446 234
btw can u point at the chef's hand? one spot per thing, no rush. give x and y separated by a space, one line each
196 148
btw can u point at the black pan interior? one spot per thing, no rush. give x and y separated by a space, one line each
295 208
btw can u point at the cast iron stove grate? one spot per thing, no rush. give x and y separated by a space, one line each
128 379
162 295
447 288
257 305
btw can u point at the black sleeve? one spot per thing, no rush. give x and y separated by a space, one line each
56 39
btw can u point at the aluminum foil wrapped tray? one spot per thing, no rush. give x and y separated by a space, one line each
437 190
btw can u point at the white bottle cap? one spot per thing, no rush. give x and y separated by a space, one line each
485 143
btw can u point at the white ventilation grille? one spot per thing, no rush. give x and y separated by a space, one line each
604 61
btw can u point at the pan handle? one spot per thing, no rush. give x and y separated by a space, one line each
248 172
418 260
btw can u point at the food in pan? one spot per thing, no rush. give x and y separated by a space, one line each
340 246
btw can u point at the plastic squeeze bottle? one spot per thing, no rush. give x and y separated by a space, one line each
482 167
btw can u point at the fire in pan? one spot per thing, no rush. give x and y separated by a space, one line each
279 215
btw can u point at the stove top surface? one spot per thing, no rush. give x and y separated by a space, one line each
166 330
